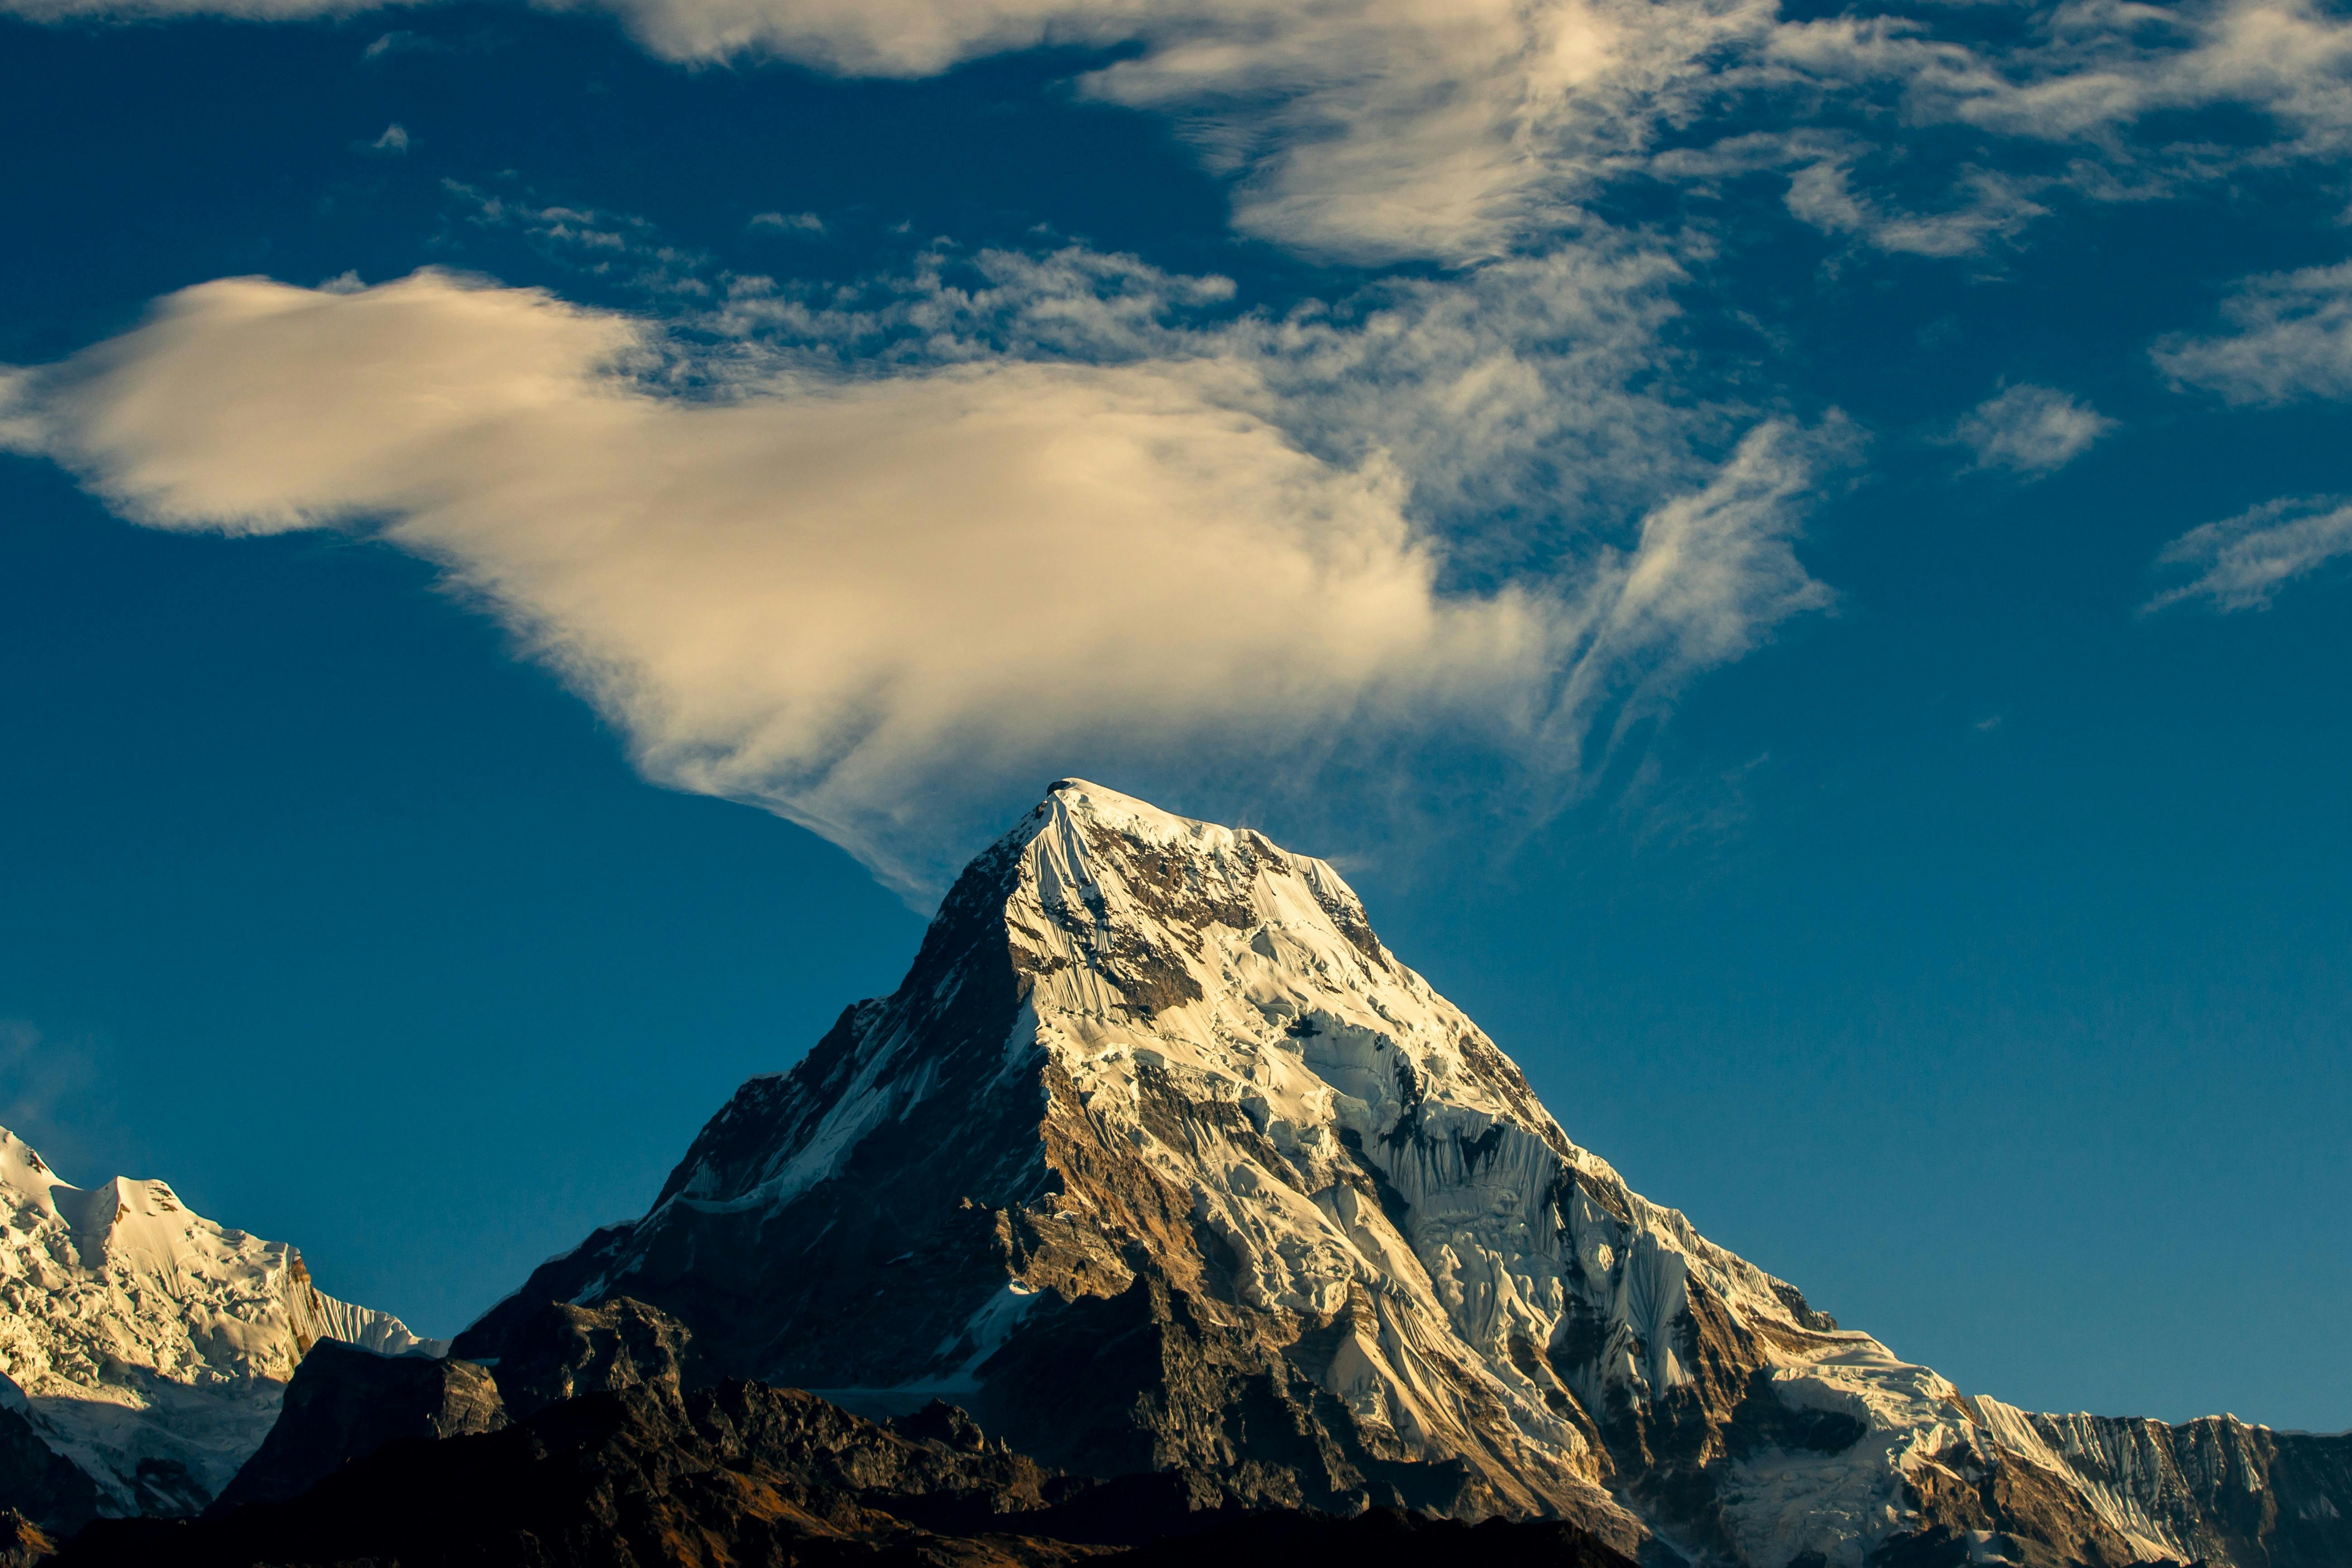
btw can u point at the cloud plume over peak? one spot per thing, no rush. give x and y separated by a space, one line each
877 604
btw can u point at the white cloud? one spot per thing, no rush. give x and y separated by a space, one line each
2033 431
789 222
1501 393
2243 561
2087 70
1377 130
613 248
1366 130
394 140
1991 206
1829 189
399 42
2292 338
1373 131
876 604
1360 129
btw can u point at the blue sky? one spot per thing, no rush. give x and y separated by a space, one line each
1797 557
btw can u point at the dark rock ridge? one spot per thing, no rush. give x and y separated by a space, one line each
741 1474
563 1351
345 1402
38 1486
1160 1161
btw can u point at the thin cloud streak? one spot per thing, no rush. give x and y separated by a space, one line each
874 604
2243 562
2291 338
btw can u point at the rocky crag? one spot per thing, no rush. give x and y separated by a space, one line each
143 1349
1160 1161
345 1402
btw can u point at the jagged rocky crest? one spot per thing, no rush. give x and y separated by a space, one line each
742 1474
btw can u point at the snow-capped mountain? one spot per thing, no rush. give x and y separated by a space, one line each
1158 1160
147 1345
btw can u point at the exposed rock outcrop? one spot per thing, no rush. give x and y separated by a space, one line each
560 1351
23 1544
345 1403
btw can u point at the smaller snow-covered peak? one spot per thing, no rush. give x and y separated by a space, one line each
24 1175
147 1339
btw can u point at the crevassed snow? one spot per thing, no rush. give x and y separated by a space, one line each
152 1346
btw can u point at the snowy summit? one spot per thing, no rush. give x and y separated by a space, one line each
1159 1158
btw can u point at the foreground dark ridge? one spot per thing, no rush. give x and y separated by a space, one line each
746 1475
1158 1160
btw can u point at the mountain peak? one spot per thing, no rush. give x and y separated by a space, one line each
1159 1158
1112 904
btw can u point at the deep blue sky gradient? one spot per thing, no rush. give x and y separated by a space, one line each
1977 956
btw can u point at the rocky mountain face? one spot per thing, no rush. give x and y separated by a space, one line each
143 1349
1158 1160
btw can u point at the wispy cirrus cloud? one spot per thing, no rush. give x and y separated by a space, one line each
1521 400
2031 431
2290 337
1375 129
2241 563
877 603
2089 71
1378 131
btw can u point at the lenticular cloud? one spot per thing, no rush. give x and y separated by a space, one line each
875 604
